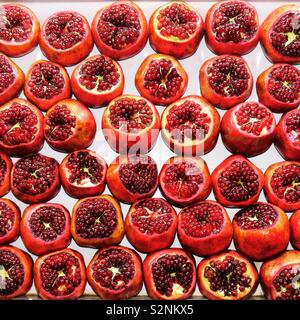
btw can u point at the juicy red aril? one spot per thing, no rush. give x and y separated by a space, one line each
292 124
3 168
7 219
7 76
287 283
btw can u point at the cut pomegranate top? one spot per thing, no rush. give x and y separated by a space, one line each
7 74
7 220
292 124
3 170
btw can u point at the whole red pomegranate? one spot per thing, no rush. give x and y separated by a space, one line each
10 217
5 172
295 229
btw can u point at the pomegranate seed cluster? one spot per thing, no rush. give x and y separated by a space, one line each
3 168
284 285
7 219
293 126
7 76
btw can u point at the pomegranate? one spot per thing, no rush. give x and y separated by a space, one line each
170 274
10 217
151 224
45 227
295 229
115 273
176 29
280 277
232 27
287 139
120 30
16 272
66 38
161 79
46 84
97 222
261 231
237 182
279 34
131 123
227 276
5 170
19 32
190 126
69 126
97 80
185 180
60 275
248 129
225 80
282 185
35 178
83 174
21 128
132 177
11 78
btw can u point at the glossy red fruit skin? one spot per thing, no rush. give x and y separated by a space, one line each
130 50
5 184
227 47
177 48
295 230
265 30
34 244
134 287
264 243
148 279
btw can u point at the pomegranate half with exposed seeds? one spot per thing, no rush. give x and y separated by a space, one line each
69 126
282 185
232 27
248 129
83 174
237 182
66 38
295 229
227 276
35 178
176 28
190 126
161 79
151 224
204 228
131 123
225 81
5 171
60 275
115 273
45 227
10 217
97 222
261 231
170 274
46 84
280 34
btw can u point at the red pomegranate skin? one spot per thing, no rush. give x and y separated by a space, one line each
295 229
5 171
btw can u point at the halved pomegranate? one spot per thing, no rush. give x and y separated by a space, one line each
120 30
225 80
35 178
261 231
115 273
232 27
45 227
21 128
11 78
5 170
10 216
176 28
131 123
227 276
287 139
204 228
161 79
185 180
295 229
279 34
170 274
190 126
248 129
69 126
66 38
15 272
46 84
282 185
19 32
132 177
60 275
237 182
151 224
83 174
280 277
97 222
